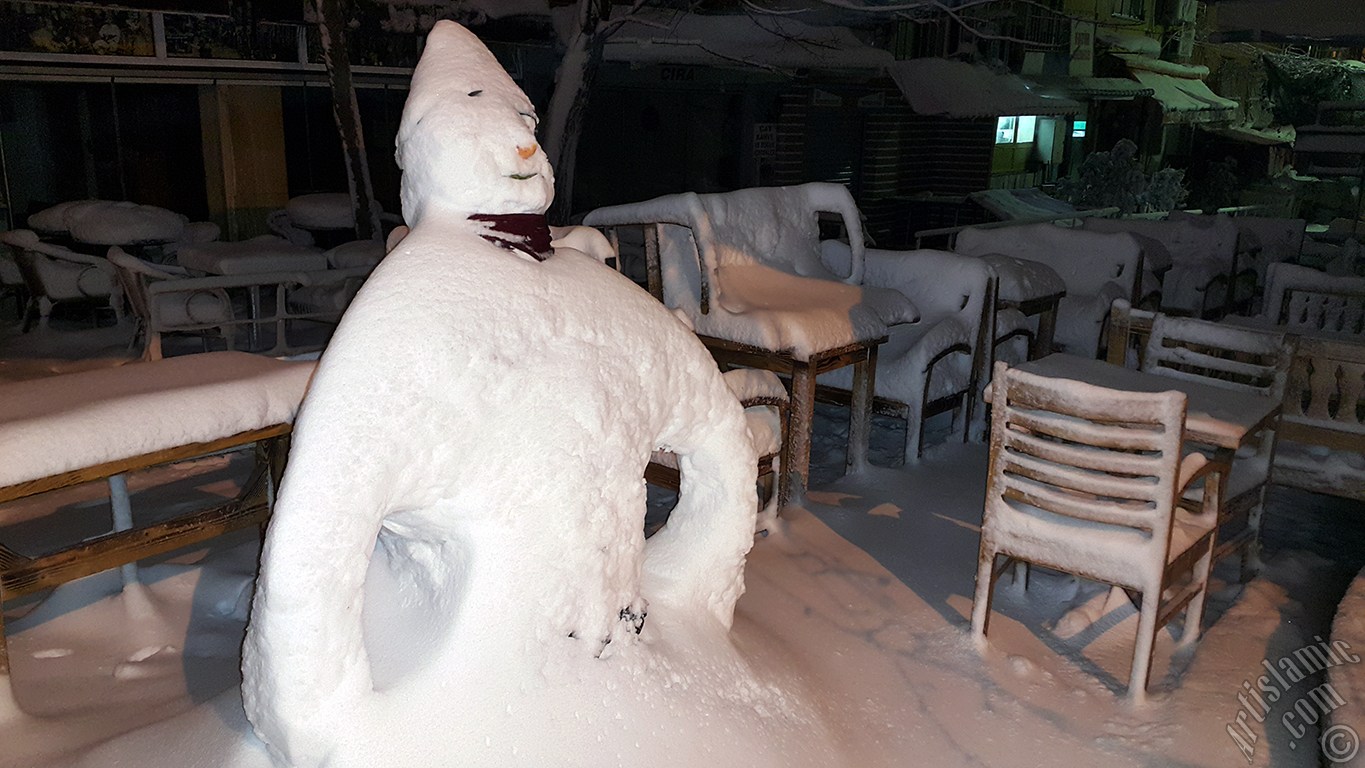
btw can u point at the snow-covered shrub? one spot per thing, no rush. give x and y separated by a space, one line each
1114 179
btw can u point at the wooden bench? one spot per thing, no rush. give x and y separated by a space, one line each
62 431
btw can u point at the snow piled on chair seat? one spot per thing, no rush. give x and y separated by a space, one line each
771 309
59 424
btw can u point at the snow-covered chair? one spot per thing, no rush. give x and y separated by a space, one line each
1231 357
765 411
934 364
166 300
277 221
1200 255
1096 269
55 274
1263 241
1085 479
744 269
1306 300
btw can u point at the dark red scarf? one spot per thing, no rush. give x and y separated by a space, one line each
524 232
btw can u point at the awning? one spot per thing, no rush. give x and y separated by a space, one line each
1266 137
1095 88
1182 93
662 36
958 89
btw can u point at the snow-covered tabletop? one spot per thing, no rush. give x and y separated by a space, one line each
321 210
106 222
1214 415
267 253
62 423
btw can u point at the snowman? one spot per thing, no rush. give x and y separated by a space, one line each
457 548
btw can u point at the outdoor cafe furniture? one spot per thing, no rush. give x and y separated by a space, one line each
1241 375
1322 429
100 425
109 222
266 253
1086 479
744 269
55 274
292 299
935 364
1094 268
166 300
1201 256
765 410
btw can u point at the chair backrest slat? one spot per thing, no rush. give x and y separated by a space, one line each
1102 456
1217 354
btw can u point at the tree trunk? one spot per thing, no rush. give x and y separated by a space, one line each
332 18
568 104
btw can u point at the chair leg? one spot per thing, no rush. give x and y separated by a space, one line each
1145 642
914 432
985 588
1251 555
1194 612
4 644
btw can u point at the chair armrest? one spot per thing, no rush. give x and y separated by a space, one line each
225 281
1196 466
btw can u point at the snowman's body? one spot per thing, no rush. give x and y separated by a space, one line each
457 548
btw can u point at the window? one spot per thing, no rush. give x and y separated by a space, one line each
1016 129
1078 129
1131 9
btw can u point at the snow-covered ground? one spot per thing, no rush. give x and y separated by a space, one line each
856 601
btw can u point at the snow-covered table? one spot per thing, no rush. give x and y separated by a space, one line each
98 425
795 459
262 254
1223 419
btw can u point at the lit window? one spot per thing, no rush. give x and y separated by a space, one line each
1004 130
1016 129
1078 129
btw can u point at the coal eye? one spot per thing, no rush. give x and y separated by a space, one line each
476 93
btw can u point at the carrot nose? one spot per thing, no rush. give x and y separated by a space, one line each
526 152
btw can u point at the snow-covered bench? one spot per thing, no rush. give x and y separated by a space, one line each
66 430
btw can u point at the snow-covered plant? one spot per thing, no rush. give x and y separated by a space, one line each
1114 179
1165 190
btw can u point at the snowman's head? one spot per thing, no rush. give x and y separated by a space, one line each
467 142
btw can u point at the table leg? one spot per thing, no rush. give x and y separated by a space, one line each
799 424
255 291
4 644
860 410
123 520
1047 328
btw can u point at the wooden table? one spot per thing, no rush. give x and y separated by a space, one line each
1223 419
1045 307
101 424
862 355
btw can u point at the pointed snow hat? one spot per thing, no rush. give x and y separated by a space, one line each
467 140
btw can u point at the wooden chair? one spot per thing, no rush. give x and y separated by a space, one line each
1306 300
1085 480
165 301
744 269
1095 268
55 275
933 365
765 411
275 312
1234 358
